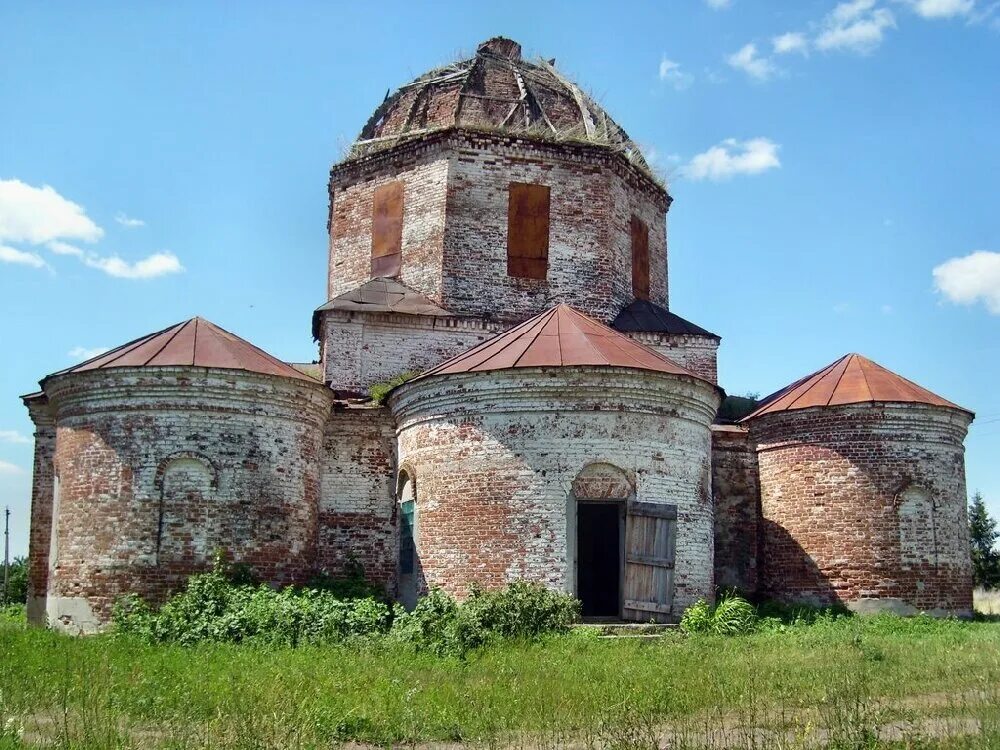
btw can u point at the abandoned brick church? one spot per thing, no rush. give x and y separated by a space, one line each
495 231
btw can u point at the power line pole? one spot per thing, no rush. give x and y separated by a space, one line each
6 553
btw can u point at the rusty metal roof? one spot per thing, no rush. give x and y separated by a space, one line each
193 343
559 337
852 379
381 296
385 295
496 90
645 317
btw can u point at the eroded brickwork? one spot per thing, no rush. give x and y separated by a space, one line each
699 354
737 509
455 223
865 505
423 171
493 482
361 349
157 468
357 520
592 200
42 485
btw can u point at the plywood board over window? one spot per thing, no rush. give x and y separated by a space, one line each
640 258
387 230
528 231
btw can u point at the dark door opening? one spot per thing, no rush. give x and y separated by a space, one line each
598 558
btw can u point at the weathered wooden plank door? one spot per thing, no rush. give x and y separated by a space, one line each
650 544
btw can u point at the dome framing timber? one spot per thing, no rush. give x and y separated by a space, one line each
496 91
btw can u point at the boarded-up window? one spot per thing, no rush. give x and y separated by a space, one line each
387 230
640 258
528 231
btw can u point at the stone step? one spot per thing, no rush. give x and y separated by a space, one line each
629 629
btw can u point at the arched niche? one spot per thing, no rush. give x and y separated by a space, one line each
917 533
186 485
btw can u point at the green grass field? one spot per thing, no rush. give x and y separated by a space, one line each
848 683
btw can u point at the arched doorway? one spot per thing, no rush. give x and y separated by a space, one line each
600 495
407 564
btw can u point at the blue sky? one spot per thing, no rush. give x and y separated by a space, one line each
820 175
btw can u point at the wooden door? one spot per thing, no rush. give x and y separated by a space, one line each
650 543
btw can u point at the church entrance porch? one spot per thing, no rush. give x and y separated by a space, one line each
599 559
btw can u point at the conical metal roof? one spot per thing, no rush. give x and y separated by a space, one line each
852 379
559 337
193 343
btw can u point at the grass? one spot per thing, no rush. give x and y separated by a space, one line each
858 683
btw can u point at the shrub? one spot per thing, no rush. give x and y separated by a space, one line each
733 615
521 610
379 392
13 614
697 618
17 581
213 608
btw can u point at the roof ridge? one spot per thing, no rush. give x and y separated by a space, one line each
817 378
857 358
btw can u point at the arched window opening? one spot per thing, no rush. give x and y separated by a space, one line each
407 526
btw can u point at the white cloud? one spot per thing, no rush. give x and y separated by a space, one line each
718 4
855 26
38 215
83 353
755 66
157 264
733 157
64 248
792 41
970 279
670 72
128 221
12 255
941 8
13 436
10 470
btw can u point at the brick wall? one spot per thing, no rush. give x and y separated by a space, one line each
494 455
424 174
455 223
590 256
866 505
40 536
357 508
361 349
737 508
159 467
699 354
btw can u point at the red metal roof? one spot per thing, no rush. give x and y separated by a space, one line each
193 343
559 337
852 379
